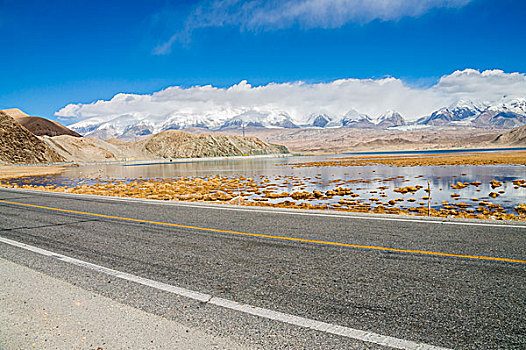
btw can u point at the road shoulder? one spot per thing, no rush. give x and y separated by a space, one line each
39 311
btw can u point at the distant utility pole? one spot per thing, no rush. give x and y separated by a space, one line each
428 199
243 126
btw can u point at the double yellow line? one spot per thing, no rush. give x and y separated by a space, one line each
283 238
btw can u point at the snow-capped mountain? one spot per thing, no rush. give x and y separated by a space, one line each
390 119
457 113
516 105
324 120
176 121
143 127
260 119
354 119
509 113
321 120
115 127
132 125
504 114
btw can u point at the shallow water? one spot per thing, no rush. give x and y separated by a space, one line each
443 151
377 181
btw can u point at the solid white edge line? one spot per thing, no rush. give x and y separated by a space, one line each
347 332
267 211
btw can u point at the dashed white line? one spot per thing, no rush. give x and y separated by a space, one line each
347 332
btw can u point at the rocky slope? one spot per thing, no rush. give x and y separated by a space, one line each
39 126
19 146
515 137
84 149
167 144
181 144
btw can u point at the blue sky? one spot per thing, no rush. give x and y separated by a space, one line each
60 52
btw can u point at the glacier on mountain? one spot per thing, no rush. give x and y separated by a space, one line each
506 113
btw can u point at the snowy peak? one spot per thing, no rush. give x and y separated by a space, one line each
354 115
468 105
390 119
507 113
141 128
246 119
503 114
457 112
354 119
264 119
516 105
319 120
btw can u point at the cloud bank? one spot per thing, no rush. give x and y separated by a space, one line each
277 14
299 99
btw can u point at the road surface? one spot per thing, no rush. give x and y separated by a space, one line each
282 278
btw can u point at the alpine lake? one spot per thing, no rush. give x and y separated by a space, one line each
380 182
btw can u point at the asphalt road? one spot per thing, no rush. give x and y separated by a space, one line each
435 299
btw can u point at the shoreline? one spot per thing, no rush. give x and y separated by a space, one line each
233 192
267 193
16 171
357 155
12 171
421 211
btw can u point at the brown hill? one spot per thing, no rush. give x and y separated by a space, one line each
181 144
83 149
39 126
353 140
19 146
167 144
514 137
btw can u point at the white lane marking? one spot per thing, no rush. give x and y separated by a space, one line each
267 211
347 332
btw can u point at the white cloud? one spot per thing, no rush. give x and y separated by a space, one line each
491 84
299 99
277 14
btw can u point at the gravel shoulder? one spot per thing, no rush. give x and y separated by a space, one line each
41 312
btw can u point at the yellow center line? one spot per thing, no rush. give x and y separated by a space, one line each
284 238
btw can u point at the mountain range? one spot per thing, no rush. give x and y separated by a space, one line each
505 114
27 140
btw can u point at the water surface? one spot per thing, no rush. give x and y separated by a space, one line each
369 182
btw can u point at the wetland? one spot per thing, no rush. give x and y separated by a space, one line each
489 185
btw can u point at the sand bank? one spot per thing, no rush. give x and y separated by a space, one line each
12 171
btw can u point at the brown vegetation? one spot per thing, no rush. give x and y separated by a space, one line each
490 158
263 192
